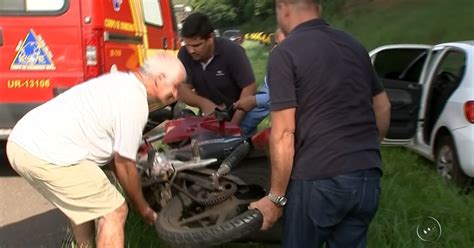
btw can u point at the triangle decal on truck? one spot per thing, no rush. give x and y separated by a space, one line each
33 54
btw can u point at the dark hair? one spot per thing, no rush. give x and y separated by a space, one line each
197 24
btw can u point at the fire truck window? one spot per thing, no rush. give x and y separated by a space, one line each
26 6
152 11
50 5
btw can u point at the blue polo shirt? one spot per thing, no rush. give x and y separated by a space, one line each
262 97
328 77
223 79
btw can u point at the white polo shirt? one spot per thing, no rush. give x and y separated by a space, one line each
89 121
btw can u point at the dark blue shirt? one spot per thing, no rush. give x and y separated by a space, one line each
328 77
224 77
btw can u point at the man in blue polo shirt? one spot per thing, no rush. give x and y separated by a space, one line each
329 111
219 72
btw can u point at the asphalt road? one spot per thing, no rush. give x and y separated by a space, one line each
26 218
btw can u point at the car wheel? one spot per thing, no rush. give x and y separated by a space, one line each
447 163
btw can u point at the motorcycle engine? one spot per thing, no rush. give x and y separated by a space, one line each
162 168
158 166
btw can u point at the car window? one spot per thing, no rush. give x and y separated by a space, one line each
401 63
452 65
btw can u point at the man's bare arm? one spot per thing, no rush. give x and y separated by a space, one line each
249 90
282 149
281 155
126 172
381 106
191 98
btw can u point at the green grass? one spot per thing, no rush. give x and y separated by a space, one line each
380 22
258 55
411 191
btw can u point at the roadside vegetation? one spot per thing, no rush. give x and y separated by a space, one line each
380 22
411 189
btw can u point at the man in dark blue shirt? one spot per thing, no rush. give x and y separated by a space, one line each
328 113
219 72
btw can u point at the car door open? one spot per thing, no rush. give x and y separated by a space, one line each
400 69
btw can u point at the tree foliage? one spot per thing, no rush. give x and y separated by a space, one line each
264 8
226 13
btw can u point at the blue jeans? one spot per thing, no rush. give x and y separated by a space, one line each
335 211
252 118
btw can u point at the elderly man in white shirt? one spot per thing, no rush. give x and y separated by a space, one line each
59 147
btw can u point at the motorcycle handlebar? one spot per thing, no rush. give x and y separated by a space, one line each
224 114
153 138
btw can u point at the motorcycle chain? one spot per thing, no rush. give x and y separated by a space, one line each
213 198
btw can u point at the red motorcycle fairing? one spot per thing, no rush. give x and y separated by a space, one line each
183 129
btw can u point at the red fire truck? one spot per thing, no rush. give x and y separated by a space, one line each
47 47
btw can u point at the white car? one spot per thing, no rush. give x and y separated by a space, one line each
431 89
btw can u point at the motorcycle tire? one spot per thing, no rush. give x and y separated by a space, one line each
253 172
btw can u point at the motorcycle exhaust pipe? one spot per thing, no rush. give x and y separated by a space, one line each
234 158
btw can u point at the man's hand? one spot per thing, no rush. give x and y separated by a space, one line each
207 107
247 91
271 213
237 117
149 215
191 98
246 103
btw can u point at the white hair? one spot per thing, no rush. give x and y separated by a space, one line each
163 63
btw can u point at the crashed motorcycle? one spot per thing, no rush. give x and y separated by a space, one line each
200 173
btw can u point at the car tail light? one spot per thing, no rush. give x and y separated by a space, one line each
469 111
93 49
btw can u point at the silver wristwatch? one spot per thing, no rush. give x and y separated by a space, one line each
279 201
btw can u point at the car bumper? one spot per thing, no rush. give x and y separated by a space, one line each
464 138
